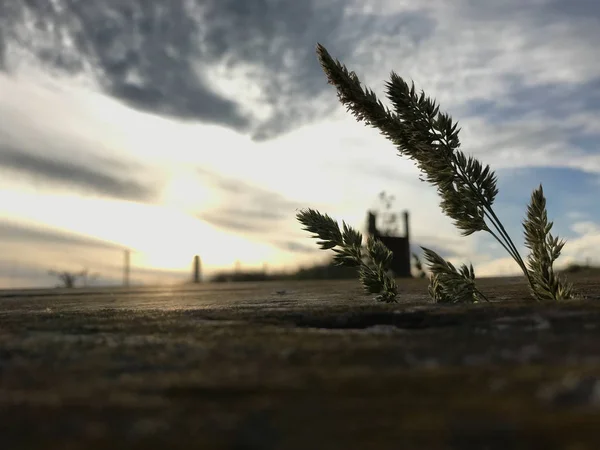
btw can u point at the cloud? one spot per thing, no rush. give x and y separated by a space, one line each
251 65
18 233
68 147
505 266
28 252
275 43
584 9
244 207
89 178
295 247
175 58
137 51
545 100
447 248
583 246
2 53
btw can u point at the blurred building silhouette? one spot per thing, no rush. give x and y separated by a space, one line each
197 266
126 267
398 245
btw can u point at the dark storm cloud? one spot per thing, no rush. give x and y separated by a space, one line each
578 8
152 53
141 50
61 172
541 12
12 232
4 14
246 208
2 53
281 37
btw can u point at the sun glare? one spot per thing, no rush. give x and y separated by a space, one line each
160 237
186 192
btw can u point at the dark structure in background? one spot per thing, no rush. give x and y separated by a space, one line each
399 246
258 275
196 269
126 269
328 271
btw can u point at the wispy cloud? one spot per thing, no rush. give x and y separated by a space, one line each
28 252
91 179
16 232
245 207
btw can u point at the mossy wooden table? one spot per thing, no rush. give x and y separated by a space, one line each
319 366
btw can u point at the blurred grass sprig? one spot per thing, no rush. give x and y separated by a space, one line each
373 262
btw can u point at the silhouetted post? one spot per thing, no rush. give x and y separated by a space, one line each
406 227
126 269
371 224
196 269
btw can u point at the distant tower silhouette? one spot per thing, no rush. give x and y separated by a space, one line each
399 246
126 269
196 269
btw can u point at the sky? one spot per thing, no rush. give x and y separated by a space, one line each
200 127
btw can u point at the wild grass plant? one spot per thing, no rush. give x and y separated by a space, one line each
467 189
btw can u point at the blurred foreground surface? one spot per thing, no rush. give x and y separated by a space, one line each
319 366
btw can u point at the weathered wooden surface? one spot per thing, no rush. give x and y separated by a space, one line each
320 367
